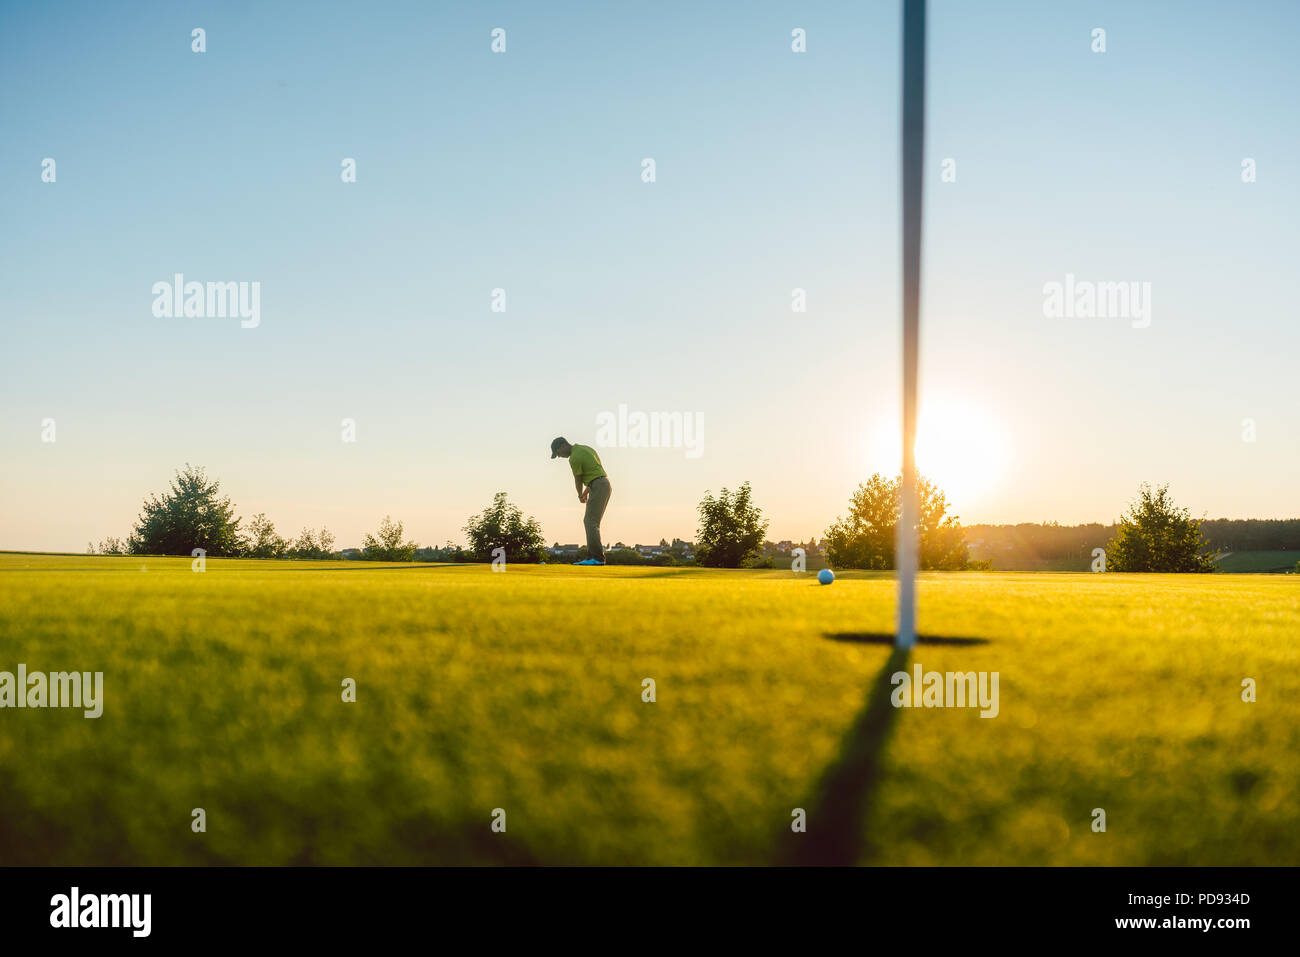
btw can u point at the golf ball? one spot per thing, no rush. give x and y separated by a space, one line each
826 576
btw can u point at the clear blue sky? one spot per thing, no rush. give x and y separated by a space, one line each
521 170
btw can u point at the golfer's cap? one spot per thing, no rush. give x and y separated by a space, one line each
555 445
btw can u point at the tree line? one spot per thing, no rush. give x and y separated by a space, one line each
193 514
1153 535
1030 541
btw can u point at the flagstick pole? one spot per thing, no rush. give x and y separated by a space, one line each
913 164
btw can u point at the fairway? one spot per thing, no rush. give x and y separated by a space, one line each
522 691
1260 561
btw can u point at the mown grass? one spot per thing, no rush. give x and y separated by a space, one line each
523 691
1262 561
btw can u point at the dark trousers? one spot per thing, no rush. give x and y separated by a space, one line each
597 498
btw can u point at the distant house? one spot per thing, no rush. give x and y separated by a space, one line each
683 549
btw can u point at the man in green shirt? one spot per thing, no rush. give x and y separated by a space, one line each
592 483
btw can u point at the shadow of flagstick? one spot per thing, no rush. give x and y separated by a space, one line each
838 809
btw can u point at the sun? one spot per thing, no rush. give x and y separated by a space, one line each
960 447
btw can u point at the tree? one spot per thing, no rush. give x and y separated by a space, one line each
1157 536
731 529
502 525
388 546
943 542
262 541
313 545
109 546
866 538
191 515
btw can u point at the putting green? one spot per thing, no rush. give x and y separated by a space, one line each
523 691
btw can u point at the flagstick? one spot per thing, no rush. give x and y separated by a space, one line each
913 163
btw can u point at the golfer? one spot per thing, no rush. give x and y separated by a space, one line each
593 488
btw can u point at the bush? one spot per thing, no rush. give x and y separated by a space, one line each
866 539
625 556
388 546
109 546
1157 536
313 545
191 515
502 525
731 530
262 540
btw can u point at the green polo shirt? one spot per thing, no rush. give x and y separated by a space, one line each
585 464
